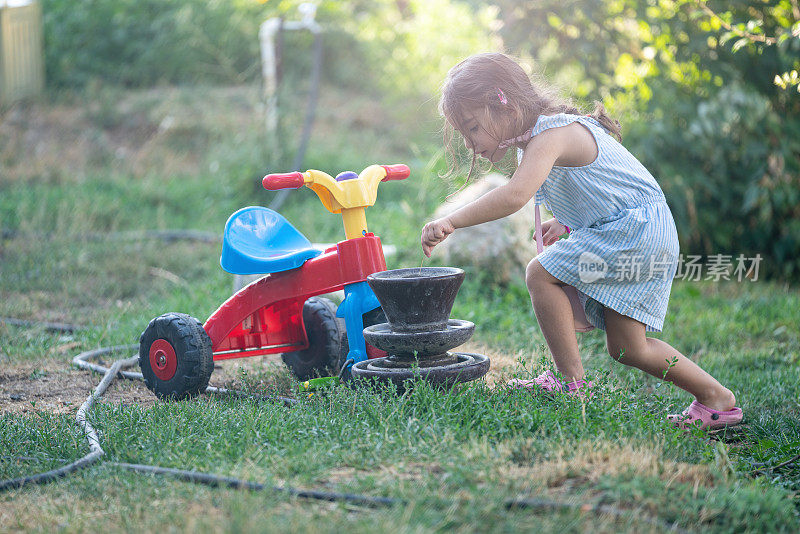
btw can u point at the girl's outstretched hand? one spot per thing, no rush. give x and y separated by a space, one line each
551 231
434 233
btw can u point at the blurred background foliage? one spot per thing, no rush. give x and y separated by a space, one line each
707 92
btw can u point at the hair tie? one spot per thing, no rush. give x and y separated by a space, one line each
524 138
502 96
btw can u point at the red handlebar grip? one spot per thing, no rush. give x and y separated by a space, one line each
396 172
286 180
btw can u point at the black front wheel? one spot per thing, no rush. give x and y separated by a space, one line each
175 356
325 332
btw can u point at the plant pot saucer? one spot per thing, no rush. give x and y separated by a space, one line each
468 367
423 343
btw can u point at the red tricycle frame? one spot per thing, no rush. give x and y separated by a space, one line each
266 316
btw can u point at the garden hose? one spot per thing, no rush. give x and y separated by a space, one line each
236 483
52 327
96 451
132 235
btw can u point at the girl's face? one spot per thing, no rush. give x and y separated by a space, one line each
477 137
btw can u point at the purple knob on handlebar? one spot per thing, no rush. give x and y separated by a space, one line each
346 175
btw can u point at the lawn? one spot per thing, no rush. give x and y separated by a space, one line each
84 177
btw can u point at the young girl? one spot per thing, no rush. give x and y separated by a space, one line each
622 250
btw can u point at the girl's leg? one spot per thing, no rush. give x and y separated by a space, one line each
554 313
626 337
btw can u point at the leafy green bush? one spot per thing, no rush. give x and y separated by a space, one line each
729 169
722 136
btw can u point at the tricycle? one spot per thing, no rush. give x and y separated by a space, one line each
282 312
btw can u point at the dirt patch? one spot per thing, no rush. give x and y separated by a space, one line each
56 387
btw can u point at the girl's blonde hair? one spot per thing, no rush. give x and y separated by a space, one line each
511 102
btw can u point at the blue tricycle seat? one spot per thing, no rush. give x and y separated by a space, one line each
258 240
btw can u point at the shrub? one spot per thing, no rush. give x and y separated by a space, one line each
728 166
142 42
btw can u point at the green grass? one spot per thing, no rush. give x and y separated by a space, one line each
454 459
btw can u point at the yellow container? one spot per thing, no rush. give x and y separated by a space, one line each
21 50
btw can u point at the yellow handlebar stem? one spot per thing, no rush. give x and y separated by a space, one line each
357 193
348 197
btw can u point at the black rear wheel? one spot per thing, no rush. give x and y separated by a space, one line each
325 332
175 356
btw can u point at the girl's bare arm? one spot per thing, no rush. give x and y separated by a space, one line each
571 145
540 155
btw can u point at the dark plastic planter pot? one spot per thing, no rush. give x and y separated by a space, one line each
417 299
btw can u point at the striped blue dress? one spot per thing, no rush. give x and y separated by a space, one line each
622 252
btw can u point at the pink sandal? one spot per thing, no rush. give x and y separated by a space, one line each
708 417
548 383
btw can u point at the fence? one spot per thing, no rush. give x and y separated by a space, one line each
21 50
